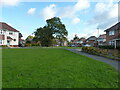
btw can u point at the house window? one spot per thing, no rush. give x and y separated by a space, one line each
111 42
1 32
14 39
0 41
10 33
112 32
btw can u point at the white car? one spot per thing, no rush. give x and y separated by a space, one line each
87 45
73 45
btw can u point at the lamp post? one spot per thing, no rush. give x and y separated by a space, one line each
98 36
98 31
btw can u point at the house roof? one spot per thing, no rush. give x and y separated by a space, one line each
92 38
8 27
9 38
116 26
102 36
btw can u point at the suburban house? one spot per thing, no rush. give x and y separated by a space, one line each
57 42
113 35
9 36
92 41
82 41
78 42
102 40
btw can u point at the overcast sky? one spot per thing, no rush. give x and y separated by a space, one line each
82 17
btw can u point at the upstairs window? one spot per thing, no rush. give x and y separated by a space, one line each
112 32
10 33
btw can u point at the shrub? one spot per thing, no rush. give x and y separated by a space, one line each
116 55
107 47
101 52
96 51
91 50
3 46
32 44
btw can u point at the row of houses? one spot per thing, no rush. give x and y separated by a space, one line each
112 37
9 36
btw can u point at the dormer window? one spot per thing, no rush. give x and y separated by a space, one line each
112 32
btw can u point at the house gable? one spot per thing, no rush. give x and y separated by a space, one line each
5 26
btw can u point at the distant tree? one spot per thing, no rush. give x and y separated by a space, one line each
29 39
76 37
44 35
53 30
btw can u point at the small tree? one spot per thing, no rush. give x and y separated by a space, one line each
29 39
76 37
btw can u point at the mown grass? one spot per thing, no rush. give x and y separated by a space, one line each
54 68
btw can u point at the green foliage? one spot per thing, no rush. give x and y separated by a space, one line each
109 47
31 44
116 54
44 35
53 30
3 46
29 39
101 52
54 68
76 37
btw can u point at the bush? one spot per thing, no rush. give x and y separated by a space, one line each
96 51
116 55
3 46
32 44
35 44
100 52
109 47
91 50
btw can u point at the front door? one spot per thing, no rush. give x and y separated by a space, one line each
8 43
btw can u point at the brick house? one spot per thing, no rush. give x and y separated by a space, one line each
9 36
102 39
113 35
92 40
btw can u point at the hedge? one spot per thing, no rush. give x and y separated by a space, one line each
109 47
100 52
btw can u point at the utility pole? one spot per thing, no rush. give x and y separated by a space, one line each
98 36
98 31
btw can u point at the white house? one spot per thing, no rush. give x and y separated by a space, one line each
102 39
8 35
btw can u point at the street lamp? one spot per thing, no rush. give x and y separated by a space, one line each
98 31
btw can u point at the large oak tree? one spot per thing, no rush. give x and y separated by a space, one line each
54 29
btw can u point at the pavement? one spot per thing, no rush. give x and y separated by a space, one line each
113 63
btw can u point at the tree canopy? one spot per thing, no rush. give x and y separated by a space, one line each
54 29
76 37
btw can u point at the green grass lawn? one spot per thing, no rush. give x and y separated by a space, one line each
54 68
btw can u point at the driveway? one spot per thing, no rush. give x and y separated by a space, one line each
113 63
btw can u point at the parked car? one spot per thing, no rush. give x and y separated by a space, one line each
69 45
87 45
72 45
